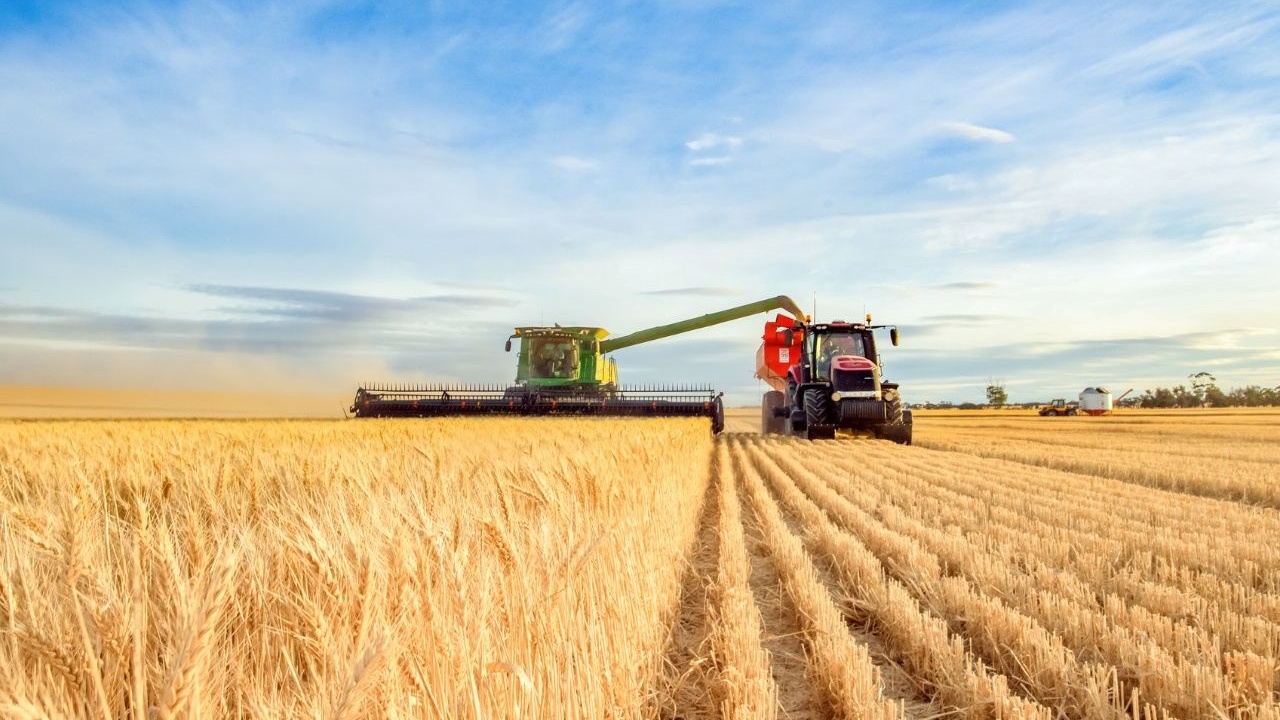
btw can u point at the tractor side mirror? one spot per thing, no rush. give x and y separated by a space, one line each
789 336
893 336
509 344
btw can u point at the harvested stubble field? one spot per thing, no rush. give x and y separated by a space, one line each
626 568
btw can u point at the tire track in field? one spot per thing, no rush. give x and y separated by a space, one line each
688 682
798 699
898 684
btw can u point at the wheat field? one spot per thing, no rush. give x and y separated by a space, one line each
1006 566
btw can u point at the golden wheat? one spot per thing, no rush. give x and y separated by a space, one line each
1017 567
446 569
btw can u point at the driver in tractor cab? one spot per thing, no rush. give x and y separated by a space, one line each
833 347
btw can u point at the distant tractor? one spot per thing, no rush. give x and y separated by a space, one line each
1057 408
826 377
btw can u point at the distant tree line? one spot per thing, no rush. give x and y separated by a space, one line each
948 405
1204 392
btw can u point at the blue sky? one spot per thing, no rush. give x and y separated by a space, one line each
306 195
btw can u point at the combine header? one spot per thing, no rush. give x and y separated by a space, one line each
565 371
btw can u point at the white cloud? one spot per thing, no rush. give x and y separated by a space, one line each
572 163
711 161
713 141
978 132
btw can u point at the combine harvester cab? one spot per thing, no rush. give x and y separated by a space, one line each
826 377
564 370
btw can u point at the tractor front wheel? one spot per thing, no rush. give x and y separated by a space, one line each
816 412
898 429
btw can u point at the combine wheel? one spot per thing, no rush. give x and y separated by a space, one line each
816 416
770 422
717 415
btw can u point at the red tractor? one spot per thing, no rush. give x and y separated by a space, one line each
826 377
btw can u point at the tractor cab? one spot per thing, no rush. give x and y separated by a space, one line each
830 349
834 342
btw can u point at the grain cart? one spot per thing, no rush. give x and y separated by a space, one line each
826 377
564 370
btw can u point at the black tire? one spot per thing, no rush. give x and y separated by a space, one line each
898 429
717 415
770 423
817 416
893 412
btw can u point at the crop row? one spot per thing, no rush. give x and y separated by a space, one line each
1230 462
1064 638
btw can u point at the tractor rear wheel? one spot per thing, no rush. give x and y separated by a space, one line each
816 420
770 422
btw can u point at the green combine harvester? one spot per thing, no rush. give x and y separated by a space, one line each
565 371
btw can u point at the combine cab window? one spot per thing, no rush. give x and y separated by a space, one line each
553 358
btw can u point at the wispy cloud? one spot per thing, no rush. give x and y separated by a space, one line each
978 132
961 318
966 285
713 141
343 307
706 291
573 163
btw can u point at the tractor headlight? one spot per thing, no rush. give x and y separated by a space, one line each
835 396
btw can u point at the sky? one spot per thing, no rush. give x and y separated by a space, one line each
305 196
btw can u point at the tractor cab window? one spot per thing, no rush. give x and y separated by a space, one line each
842 344
555 358
834 345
